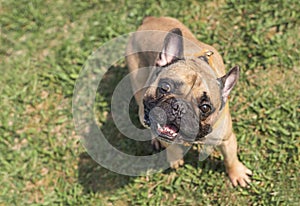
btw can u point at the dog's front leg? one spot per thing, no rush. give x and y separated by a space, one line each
237 171
174 152
175 156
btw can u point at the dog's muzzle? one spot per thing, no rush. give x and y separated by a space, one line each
172 120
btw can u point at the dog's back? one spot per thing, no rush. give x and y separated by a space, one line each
152 40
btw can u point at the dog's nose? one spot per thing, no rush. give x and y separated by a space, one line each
179 108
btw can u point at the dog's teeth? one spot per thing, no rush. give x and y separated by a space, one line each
166 130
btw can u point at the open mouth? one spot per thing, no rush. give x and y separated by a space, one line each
168 131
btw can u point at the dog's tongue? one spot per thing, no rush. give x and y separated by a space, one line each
168 130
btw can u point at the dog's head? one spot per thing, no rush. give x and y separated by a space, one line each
185 97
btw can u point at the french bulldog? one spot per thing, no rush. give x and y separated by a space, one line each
183 95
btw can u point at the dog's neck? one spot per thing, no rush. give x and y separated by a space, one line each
204 55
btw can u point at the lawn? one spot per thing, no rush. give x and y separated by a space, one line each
44 46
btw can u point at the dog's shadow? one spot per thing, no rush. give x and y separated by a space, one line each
92 176
95 178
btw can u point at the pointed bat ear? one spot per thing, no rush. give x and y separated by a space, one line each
228 81
172 48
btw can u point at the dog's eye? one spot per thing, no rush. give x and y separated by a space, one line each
205 108
165 87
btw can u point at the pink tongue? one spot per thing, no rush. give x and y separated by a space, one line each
168 130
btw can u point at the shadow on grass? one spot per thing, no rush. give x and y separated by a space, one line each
95 178
92 176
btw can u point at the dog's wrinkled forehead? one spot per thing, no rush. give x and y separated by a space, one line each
184 68
193 75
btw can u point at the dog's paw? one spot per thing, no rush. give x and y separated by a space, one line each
176 164
239 174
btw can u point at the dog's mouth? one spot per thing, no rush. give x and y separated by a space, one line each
172 121
169 131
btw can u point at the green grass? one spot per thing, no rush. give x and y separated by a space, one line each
43 47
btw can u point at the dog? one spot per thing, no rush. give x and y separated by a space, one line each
182 92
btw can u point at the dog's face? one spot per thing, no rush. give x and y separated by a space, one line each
184 97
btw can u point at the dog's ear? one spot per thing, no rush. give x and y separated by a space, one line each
172 48
228 81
